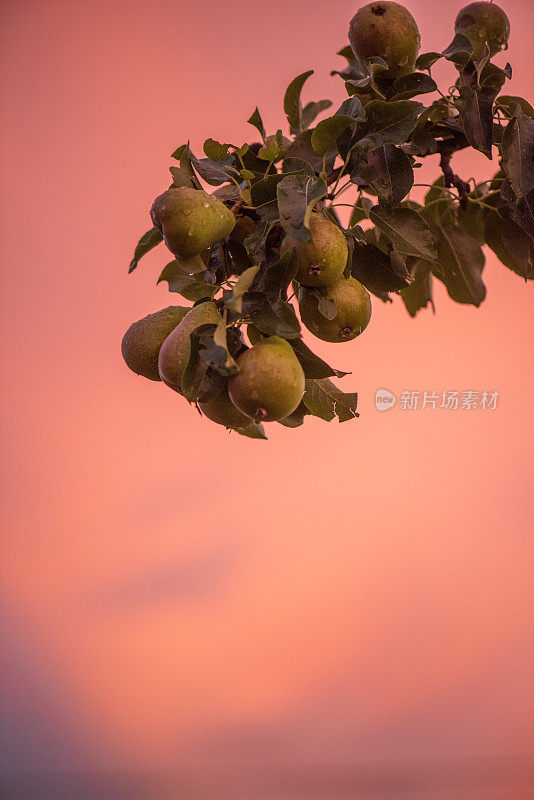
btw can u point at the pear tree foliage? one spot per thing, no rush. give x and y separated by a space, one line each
255 229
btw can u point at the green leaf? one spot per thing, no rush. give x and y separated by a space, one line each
475 104
215 172
312 110
264 190
418 294
256 120
295 194
292 104
247 174
146 243
192 286
460 46
360 211
292 165
234 299
388 170
276 317
327 131
313 366
411 85
185 156
216 151
179 151
193 372
388 123
439 205
269 151
460 264
214 350
406 229
323 399
471 219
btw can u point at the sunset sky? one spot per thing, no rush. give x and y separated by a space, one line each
176 598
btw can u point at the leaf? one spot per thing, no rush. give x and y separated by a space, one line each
255 242
376 270
323 399
439 205
509 103
180 177
411 85
511 244
313 366
185 157
192 374
292 104
360 211
296 418
214 350
460 45
460 264
191 286
269 151
146 243
276 317
215 172
352 108
426 60
234 299
327 131
302 148
312 110
389 123
406 229
475 106
472 218
264 190
518 153
418 294
388 170
291 165
278 276
256 120
215 151
254 431
295 193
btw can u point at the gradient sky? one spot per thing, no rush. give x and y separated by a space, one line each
173 594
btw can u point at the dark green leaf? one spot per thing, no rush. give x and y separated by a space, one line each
295 194
180 177
360 211
475 106
278 276
411 85
388 170
518 153
388 123
426 60
276 318
406 229
296 418
323 399
234 298
145 244
256 120
254 431
302 148
292 104
193 373
460 264
419 292
352 108
377 271
192 286
439 205
290 165
509 103
264 190
460 46
214 350
510 243
312 110
313 366
215 172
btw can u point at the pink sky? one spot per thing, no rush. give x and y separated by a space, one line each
176 595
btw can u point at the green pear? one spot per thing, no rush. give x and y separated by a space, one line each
353 312
175 350
386 30
270 381
220 409
190 220
142 341
321 261
481 23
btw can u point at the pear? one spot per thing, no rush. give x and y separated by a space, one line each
142 341
386 30
353 310
481 23
321 261
175 350
190 220
270 381
220 409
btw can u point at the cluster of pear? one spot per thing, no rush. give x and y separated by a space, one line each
388 31
270 383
